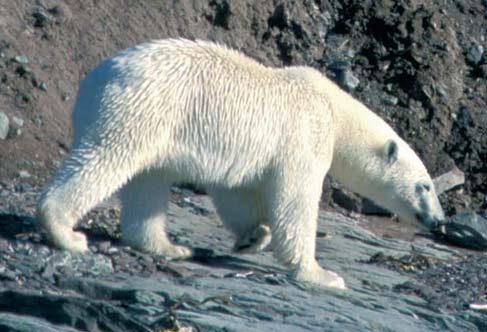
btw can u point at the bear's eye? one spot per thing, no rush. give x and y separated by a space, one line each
421 188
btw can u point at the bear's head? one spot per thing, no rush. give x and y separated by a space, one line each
385 169
370 159
403 184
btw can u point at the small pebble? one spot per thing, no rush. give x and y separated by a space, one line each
4 125
38 122
348 80
440 90
391 100
24 174
104 246
112 250
475 53
478 306
349 53
20 59
19 122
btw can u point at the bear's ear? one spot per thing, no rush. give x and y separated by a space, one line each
390 151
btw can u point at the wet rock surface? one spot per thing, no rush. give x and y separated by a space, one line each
467 230
393 285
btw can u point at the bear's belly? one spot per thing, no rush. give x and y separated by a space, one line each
213 169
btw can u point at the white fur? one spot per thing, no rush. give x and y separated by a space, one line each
261 139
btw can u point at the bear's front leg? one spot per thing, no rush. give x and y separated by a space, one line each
143 217
295 214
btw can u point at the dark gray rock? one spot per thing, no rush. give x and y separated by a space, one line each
66 310
280 17
340 65
41 17
222 13
12 322
346 199
467 230
369 207
390 100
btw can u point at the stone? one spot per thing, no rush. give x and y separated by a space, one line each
41 18
4 125
280 17
346 200
440 91
340 65
349 54
467 230
38 122
222 13
23 70
449 180
18 122
43 86
390 100
475 53
104 246
348 80
478 306
23 174
20 59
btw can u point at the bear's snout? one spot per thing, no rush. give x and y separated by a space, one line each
430 221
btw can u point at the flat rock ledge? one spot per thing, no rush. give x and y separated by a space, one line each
114 288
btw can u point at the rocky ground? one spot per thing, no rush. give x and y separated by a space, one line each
422 66
393 284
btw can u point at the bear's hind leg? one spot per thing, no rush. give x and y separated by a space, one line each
294 201
242 211
143 218
254 240
87 177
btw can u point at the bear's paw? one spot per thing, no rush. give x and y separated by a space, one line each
321 277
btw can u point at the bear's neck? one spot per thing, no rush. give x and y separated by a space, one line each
359 134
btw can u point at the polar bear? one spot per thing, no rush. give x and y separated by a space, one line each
260 139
